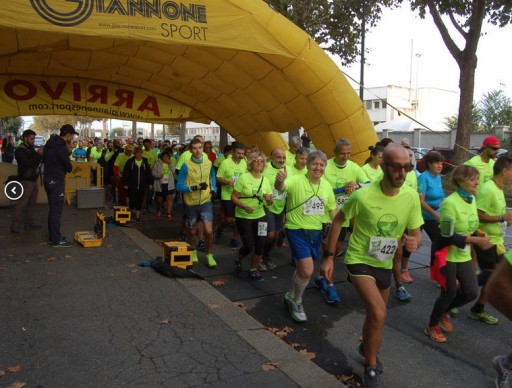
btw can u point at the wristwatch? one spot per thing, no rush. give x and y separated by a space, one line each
502 219
328 254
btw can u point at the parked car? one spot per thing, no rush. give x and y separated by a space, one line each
446 152
38 141
420 152
501 152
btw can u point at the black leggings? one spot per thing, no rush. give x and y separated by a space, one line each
248 230
135 196
453 297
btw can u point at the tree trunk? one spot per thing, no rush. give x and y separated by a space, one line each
223 139
152 130
467 89
134 130
104 128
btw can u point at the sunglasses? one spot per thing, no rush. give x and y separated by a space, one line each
494 148
397 167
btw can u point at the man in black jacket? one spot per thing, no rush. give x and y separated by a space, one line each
56 165
28 165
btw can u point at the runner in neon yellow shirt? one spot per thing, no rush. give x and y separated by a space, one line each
250 192
227 175
373 169
484 162
294 145
274 212
382 211
459 230
309 199
493 217
300 162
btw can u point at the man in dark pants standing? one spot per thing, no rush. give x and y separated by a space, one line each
56 165
28 160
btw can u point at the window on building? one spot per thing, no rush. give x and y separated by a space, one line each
368 104
376 104
384 104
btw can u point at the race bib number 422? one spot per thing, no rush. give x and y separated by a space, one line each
382 248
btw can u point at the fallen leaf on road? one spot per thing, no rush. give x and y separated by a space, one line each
307 354
68 256
213 306
50 273
52 258
10 254
274 277
3 269
43 243
240 305
165 322
219 282
109 246
295 345
134 270
346 379
269 366
17 384
2 373
281 334
130 265
288 329
14 369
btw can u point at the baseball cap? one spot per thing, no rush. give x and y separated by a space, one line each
67 129
491 141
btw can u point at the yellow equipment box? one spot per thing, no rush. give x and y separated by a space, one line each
89 239
178 254
122 214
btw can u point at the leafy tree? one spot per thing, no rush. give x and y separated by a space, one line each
496 109
10 125
467 18
116 132
46 125
476 121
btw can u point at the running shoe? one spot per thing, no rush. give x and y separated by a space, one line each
254 274
237 270
138 220
502 379
182 237
379 367
158 213
218 234
446 323
484 317
332 296
234 243
402 294
435 333
210 261
280 239
295 309
170 217
371 378
202 245
321 284
269 263
454 312
405 276
262 267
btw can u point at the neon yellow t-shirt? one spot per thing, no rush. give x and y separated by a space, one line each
229 170
279 198
121 161
380 222
95 154
491 200
290 158
340 177
308 205
151 156
374 174
292 171
411 180
247 186
218 161
466 222
485 169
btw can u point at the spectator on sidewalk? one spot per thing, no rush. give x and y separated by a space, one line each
306 141
163 172
8 149
119 164
56 166
28 160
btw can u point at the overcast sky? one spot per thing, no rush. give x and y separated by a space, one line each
389 60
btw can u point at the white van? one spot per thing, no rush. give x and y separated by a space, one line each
39 141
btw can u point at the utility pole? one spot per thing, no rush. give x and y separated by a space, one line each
363 33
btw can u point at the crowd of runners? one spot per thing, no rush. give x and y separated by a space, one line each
327 208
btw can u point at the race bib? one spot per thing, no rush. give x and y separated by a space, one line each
382 248
262 228
314 206
466 248
340 200
277 196
165 179
235 178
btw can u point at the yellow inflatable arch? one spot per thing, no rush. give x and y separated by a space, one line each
236 62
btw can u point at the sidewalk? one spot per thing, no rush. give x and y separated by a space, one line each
91 317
